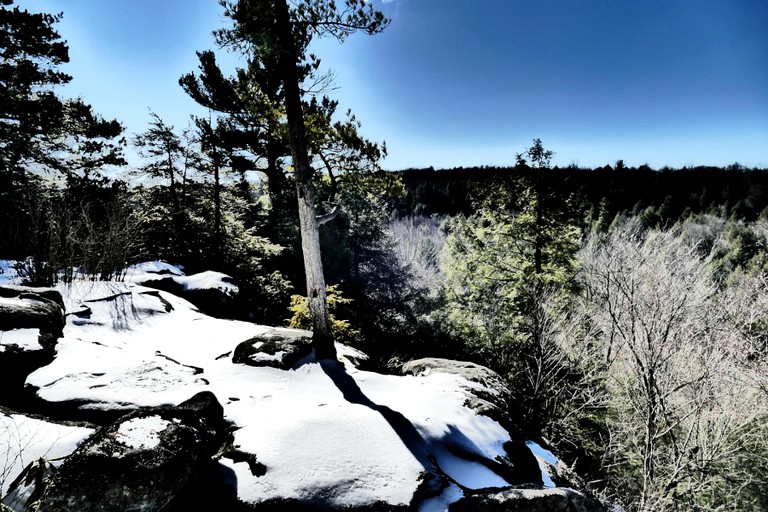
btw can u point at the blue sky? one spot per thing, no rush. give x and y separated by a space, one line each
465 82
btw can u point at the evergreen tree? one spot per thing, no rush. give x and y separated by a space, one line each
278 37
501 263
170 158
39 131
249 125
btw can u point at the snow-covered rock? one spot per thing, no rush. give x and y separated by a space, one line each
23 307
139 271
31 323
321 434
144 461
25 440
211 292
278 348
486 391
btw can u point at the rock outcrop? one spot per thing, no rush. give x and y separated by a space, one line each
31 322
489 398
42 309
529 500
323 435
277 348
213 293
144 461
487 395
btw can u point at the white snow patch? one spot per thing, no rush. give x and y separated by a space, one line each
8 274
17 302
547 462
26 339
152 267
24 440
323 431
208 280
141 433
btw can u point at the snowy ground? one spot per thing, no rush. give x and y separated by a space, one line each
323 431
24 440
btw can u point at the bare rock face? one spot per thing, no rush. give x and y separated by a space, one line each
142 462
529 500
276 348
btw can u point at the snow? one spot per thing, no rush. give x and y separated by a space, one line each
208 280
152 267
324 430
16 302
24 440
547 462
26 339
8 273
141 433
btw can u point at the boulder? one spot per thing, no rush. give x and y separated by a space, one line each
277 348
213 293
31 322
487 395
144 461
557 499
23 307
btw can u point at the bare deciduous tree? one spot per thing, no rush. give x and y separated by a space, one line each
684 405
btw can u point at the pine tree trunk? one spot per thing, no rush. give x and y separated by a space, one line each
322 337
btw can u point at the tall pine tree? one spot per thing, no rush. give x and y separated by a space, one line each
276 38
39 131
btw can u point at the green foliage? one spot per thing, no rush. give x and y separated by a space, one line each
343 332
499 264
745 248
359 255
40 132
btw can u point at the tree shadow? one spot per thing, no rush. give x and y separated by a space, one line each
453 444
401 425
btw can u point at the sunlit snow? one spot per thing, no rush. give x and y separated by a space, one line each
323 430
26 339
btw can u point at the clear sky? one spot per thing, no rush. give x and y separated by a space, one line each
471 82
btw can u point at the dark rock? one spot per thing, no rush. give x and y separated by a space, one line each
41 312
144 461
33 308
294 505
165 284
211 301
276 348
557 499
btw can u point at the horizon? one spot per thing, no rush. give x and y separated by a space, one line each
448 85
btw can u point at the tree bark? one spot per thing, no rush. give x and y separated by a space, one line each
322 336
